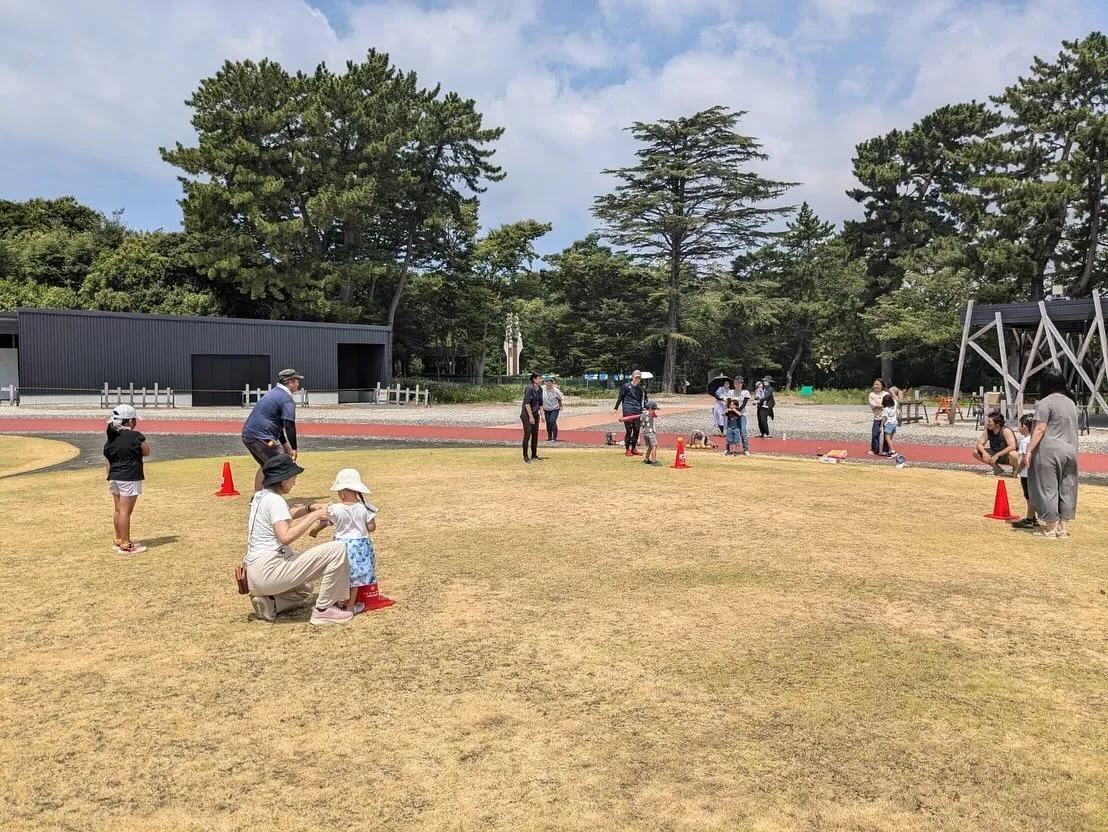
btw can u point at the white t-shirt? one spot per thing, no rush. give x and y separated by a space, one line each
267 507
1025 443
351 521
889 415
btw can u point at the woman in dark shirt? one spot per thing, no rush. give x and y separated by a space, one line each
529 415
123 455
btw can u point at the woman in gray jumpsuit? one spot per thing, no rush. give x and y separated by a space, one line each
1052 475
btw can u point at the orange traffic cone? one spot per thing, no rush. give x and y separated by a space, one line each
1001 511
226 483
680 461
372 598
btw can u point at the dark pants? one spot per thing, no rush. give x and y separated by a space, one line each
763 421
631 433
877 441
551 424
530 434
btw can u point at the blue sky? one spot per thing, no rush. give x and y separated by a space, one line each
89 91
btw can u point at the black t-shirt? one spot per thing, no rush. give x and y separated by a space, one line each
123 450
532 400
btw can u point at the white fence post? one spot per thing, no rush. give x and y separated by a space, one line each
377 395
155 395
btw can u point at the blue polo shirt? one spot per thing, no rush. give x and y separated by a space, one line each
267 420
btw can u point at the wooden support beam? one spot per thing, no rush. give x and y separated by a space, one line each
1004 366
1029 367
961 364
1062 345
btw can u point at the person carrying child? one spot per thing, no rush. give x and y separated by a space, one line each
123 455
733 416
354 519
649 434
1027 424
888 424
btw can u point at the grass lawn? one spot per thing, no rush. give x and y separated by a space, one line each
584 643
19 454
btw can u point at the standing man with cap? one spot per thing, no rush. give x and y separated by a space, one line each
270 429
632 397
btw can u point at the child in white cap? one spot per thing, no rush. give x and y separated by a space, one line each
123 455
354 519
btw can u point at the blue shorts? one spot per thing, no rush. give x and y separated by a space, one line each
734 436
890 428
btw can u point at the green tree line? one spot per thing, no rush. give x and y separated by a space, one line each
355 196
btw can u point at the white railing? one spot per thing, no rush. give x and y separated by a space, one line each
10 395
396 395
251 395
157 396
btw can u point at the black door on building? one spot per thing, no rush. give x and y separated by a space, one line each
359 370
220 379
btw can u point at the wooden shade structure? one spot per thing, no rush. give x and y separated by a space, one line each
1030 337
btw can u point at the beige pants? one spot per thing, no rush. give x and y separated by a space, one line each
288 577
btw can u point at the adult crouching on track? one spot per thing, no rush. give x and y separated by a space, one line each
278 578
996 446
632 398
270 429
1052 454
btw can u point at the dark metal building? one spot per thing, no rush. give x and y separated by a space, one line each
66 352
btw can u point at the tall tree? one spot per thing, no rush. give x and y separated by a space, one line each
310 190
691 200
915 185
1047 172
816 284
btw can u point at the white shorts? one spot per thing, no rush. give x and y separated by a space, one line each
125 488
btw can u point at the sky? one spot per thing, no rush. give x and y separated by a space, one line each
89 91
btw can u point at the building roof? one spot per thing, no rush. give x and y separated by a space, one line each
93 313
1068 315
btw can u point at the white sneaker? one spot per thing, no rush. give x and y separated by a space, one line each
331 615
264 607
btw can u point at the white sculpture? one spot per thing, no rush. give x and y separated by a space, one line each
513 345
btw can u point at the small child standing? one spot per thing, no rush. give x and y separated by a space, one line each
354 519
649 434
1027 424
888 424
734 418
123 455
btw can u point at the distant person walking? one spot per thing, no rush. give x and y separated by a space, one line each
632 399
1052 454
766 404
529 416
270 429
552 399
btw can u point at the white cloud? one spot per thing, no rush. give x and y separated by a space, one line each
107 82
670 15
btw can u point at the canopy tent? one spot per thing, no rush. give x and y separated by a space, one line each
1030 337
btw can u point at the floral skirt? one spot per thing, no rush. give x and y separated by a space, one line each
363 566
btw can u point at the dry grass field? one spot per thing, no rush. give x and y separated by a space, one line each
580 644
19 454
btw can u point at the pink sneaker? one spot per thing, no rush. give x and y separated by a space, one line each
331 615
130 548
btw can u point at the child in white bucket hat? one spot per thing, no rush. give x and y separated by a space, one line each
354 519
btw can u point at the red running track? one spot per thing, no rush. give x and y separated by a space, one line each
1088 463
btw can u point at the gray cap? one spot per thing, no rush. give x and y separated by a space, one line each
288 375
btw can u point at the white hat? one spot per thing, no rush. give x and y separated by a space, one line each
122 413
348 479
